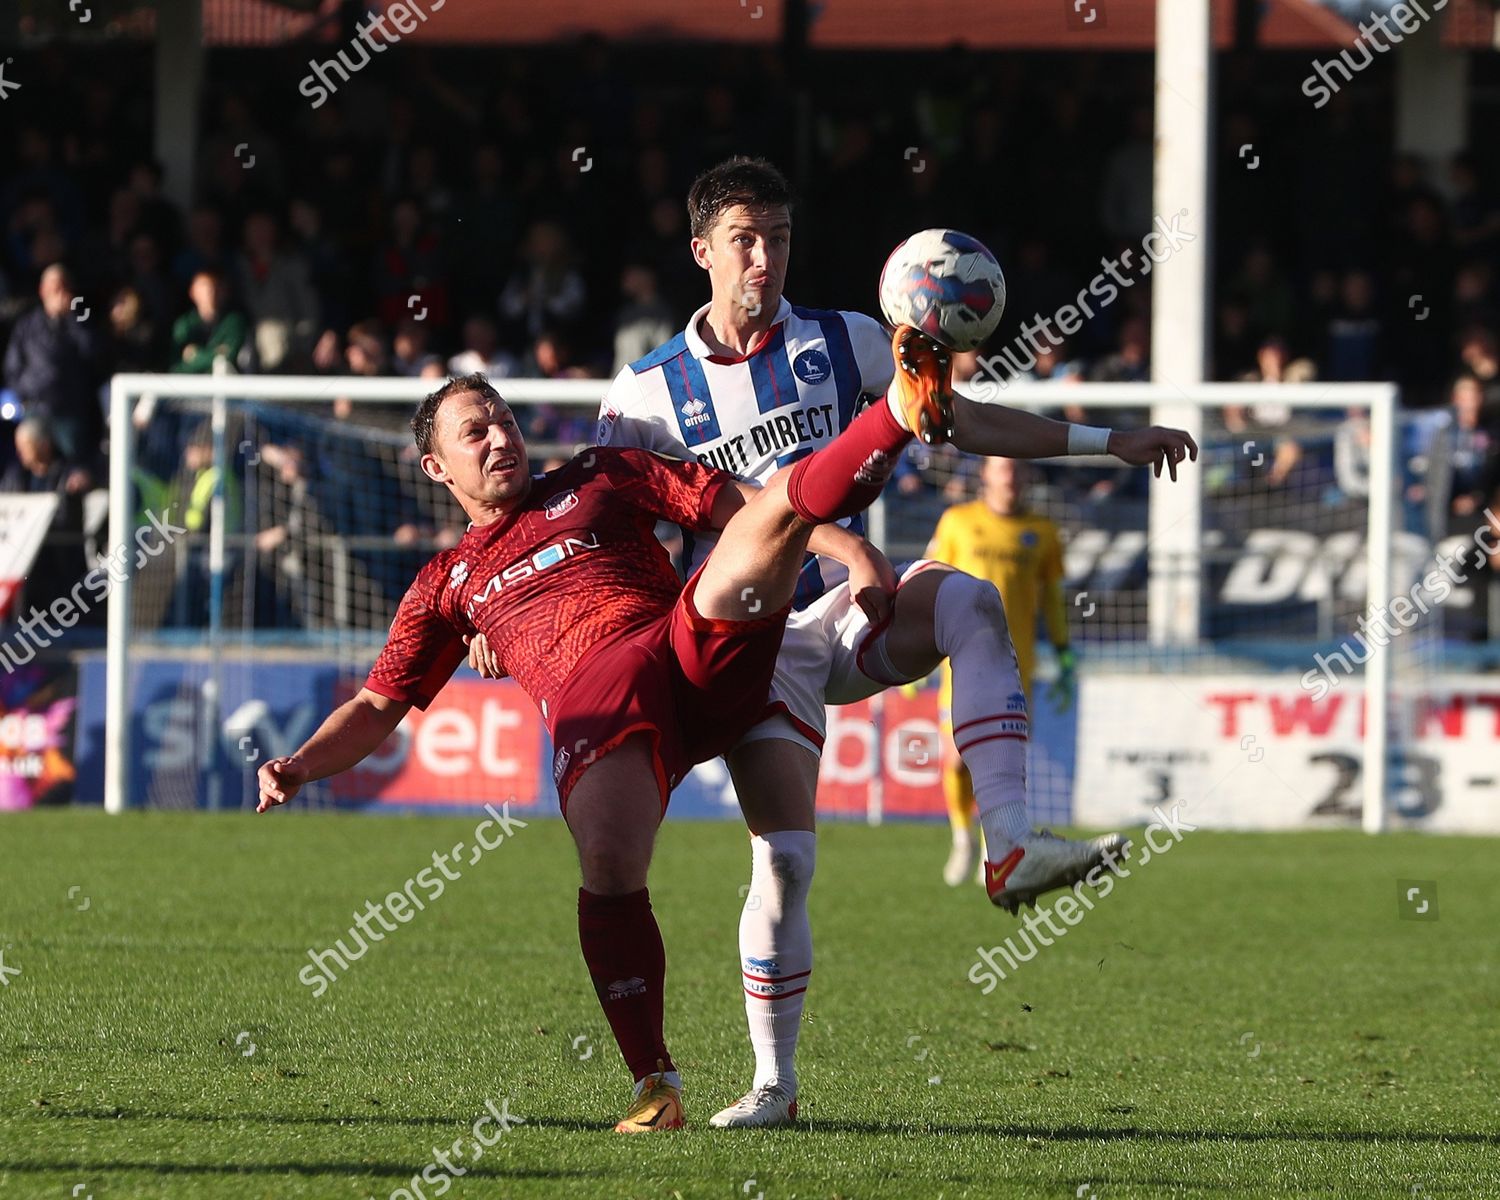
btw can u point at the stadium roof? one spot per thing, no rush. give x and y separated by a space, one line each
835 24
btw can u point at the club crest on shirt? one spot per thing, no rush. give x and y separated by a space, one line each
812 366
459 573
561 503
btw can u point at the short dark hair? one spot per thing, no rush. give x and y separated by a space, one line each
423 420
753 182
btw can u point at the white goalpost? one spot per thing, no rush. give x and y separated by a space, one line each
278 588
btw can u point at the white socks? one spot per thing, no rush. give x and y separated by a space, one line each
990 725
776 949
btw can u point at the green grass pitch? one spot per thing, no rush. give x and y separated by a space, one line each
1248 1015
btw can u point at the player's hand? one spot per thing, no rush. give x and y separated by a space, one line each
872 583
280 780
1153 447
1064 689
483 659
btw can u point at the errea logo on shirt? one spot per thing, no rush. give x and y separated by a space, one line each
694 412
459 573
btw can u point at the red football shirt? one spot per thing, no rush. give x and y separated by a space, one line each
576 564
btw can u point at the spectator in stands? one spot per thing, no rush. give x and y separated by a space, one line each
54 364
1131 363
1469 449
1473 216
1475 301
1234 343
328 353
138 343
664 248
292 561
410 275
1270 452
1353 352
1125 198
158 216
365 352
644 322
1478 355
551 357
204 249
409 348
329 267
210 330
39 469
546 288
33 231
275 287
159 293
482 351
485 230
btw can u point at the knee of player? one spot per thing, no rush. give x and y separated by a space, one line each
793 869
608 872
977 596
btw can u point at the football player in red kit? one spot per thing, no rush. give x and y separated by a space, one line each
636 676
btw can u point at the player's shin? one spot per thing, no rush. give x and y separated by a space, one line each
776 950
990 724
846 476
623 949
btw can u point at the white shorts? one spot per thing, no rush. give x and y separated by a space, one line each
822 662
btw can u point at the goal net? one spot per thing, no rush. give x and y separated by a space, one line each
1203 627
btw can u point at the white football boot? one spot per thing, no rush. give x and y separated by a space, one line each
1043 862
765 1107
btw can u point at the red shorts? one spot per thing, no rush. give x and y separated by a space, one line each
693 684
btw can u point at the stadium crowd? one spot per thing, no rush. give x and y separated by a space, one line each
530 223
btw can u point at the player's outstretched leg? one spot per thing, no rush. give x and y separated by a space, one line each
612 811
754 567
949 614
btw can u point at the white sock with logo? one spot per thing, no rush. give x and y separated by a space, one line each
990 724
776 950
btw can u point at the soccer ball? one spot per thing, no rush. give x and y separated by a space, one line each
946 284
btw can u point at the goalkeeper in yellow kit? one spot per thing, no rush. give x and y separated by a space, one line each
996 538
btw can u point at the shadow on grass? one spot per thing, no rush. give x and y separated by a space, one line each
370 1118
1060 1133
1081 1133
389 1170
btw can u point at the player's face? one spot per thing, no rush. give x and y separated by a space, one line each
1004 484
479 453
745 256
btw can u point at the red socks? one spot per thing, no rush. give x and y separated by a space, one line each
846 476
622 947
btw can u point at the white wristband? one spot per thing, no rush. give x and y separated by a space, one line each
1088 439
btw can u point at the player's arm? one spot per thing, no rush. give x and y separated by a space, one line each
420 656
352 732
996 429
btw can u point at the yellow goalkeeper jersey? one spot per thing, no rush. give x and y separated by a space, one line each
1022 556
